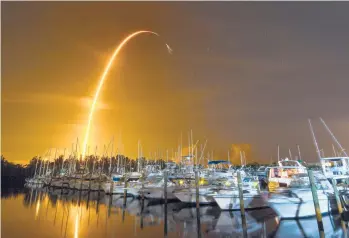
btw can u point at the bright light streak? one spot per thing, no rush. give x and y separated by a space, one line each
37 209
102 79
76 229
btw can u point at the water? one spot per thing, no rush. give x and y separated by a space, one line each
51 213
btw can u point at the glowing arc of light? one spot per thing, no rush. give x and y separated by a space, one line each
101 81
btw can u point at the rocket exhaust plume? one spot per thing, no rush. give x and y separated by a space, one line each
103 77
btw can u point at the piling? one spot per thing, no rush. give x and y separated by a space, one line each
125 190
336 194
142 214
165 186
197 188
316 203
110 204
111 188
258 187
165 197
93 170
143 178
81 181
242 205
198 222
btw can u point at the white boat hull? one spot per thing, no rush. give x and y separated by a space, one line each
232 202
158 193
294 207
119 189
190 197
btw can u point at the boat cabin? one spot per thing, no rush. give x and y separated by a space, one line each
281 176
335 167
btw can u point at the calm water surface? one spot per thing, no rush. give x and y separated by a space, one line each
53 213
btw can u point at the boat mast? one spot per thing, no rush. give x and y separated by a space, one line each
36 165
76 153
48 162
289 151
138 156
243 152
299 152
63 159
111 155
334 151
181 147
278 153
119 153
40 166
315 144
333 137
241 159
54 164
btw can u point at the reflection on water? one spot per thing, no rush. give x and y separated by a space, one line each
55 213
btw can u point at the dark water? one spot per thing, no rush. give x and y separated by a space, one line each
51 213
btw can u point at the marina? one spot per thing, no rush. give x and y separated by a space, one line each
164 119
289 189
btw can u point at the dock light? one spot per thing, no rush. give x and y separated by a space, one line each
181 182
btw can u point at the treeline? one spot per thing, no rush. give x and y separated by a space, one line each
91 163
13 175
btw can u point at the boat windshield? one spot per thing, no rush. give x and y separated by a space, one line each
334 163
289 163
155 179
284 172
302 181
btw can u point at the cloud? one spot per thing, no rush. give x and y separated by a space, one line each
53 99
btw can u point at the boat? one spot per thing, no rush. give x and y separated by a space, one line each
296 200
281 176
116 185
154 188
335 168
188 195
229 198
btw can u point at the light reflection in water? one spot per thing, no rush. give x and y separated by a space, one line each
76 231
70 214
37 209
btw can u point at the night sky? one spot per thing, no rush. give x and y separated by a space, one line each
240 72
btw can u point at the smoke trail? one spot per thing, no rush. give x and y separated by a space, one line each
103 77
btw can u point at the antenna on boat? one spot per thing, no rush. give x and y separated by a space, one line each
138 153
278 153
228 156
315 143
299 152
334 151
333 137
289 151
243 152
202 151
241 159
